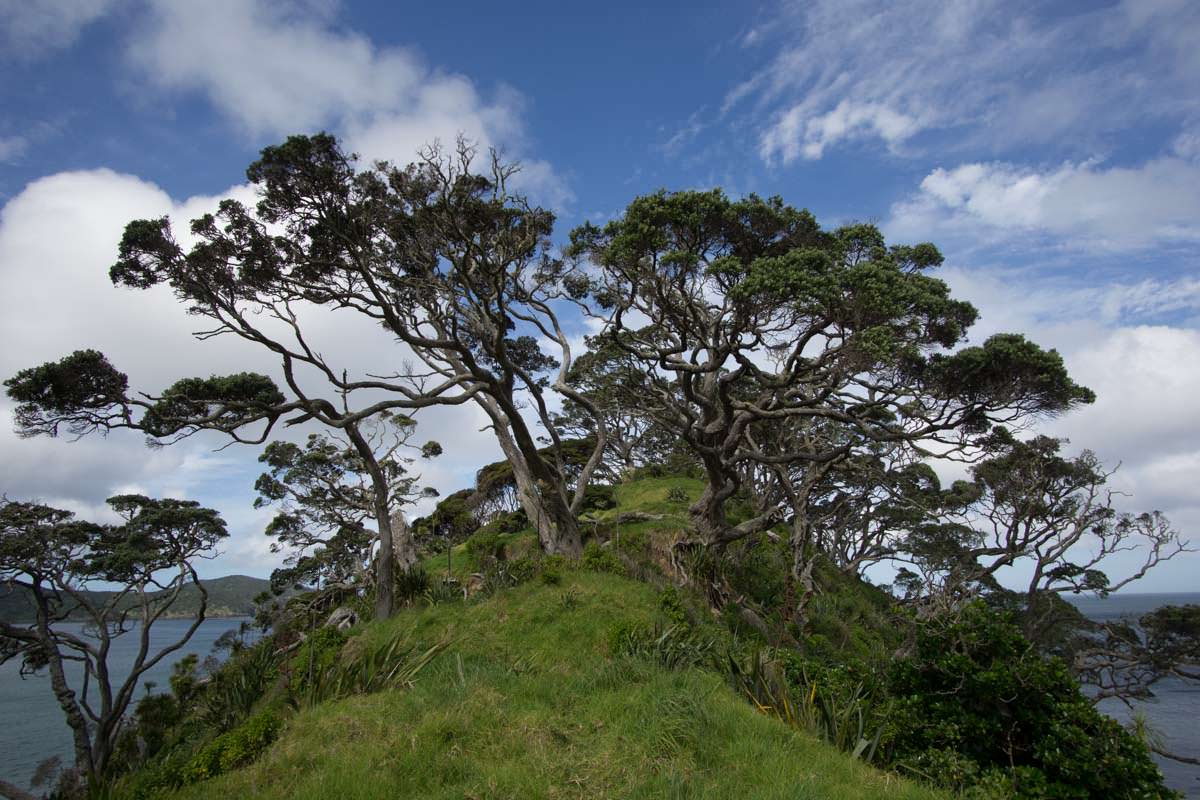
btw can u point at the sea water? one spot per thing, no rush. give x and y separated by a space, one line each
1174 711
32 725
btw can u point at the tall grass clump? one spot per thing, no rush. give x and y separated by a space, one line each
391 664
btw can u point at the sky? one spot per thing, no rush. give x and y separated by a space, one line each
1051 150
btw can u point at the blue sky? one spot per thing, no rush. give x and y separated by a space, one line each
1052 150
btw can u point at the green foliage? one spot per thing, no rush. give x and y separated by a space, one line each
233 748
599 559
77 391
758 569
242 681
849 715
486 545
368 667
977 688
411 584
670 602
318 653
598 497
671 646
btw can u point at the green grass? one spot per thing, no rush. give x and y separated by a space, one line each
528 702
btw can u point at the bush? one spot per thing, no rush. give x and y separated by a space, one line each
234 748
597 497
597 559
238 685
318 653
410 584
522 570
486 546
976 688
672 646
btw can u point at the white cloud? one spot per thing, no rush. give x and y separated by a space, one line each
798 132
1086 205
1146 375
282 68
66 302
999 74
34 28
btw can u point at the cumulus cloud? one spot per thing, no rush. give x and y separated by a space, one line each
1000 74
280 68
1116 339
1086 205
57 240
798 132
36 29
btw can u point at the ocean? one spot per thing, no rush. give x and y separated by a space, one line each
1175 707
33 726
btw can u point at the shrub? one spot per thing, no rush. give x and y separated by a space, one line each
672 646
233 748
670 601
410 584
977 688
389 664
677 495
597 559
238 685
486 546
319 652
597 497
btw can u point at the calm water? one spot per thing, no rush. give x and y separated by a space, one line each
1174 710
33 727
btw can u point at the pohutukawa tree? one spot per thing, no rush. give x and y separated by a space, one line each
451 263
150 558
744 313
326 501
604 374
1028 506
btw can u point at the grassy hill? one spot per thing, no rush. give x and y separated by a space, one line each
230 596
530 700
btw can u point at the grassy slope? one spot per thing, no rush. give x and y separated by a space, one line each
529 702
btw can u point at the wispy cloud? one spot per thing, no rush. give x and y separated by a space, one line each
997 73
32 29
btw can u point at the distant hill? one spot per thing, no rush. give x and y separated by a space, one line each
230 596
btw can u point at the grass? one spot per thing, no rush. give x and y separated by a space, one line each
528 702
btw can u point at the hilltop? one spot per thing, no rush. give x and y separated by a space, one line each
529 700
512 674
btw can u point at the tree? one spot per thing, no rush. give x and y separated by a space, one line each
150 557
451 263
745 314
327 496
634 439
1027 505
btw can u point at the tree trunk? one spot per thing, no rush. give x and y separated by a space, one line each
547 509
802 560
62 692
395 547
404 547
